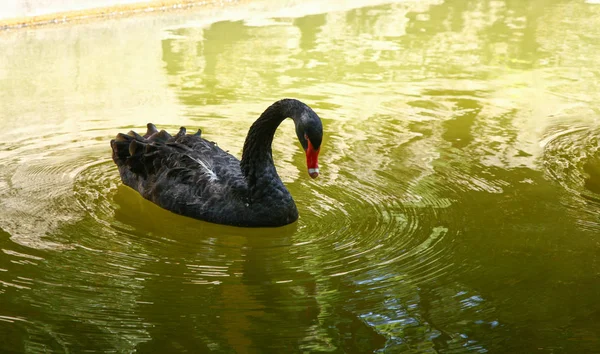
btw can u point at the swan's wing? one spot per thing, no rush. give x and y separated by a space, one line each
183 167
213 165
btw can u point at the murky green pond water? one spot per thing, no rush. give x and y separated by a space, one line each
458 207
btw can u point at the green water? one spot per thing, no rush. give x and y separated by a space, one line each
458 207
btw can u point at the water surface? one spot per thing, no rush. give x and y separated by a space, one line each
457 208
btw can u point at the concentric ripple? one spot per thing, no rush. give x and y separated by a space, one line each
37 181
369 228
572 159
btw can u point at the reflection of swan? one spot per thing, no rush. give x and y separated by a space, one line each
192 176
149 221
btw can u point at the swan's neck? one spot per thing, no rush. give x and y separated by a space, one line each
257 158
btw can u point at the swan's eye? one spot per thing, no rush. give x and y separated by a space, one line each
306 141
315 141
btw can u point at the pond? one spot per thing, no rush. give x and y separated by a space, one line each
457 210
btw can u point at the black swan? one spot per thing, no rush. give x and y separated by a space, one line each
189 175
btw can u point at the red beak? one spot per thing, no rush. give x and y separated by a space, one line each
312 160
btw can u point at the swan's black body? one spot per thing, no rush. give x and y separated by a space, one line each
189 175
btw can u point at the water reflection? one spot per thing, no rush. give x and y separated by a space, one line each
457 209
477 157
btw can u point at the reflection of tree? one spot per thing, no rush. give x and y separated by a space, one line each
458 130
497 33
194 63
310 29
236 62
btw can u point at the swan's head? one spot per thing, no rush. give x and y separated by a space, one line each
309 130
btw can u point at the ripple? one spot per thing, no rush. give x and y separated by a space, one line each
372 229
571 158
36 195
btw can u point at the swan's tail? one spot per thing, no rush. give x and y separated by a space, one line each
135 151
125 147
